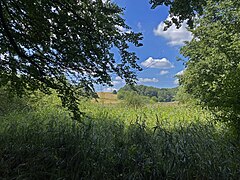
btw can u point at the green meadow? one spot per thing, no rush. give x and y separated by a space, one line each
39 140
55 55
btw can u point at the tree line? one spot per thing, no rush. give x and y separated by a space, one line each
156 94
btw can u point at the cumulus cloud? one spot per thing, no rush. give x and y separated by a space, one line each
118 78
146 80
116 82
122 29
176 82
157 63
109 89
179 73
163 72
175 37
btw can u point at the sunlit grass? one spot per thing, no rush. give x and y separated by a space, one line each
107 98
116 142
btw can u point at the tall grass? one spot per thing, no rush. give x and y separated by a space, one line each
116 142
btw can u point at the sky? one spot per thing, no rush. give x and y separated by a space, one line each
160 50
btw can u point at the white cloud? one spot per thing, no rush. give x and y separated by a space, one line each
157 63
174 36
104 1
116 82
145 80
139 26
118 78
122 29
163 72
179 73
176 81
109 89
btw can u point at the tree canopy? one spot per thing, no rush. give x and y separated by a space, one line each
157 94
64 45
212 73
181 10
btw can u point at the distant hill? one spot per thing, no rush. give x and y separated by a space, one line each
157 94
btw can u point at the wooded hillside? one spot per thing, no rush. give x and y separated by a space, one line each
157 94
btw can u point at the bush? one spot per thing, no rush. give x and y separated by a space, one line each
11 103
135 100
213 66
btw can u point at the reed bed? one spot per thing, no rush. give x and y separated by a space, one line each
116 142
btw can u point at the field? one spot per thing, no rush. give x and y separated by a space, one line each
107 98
115 141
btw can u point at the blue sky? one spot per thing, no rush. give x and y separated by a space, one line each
160 48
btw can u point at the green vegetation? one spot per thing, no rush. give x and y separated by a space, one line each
114 92
213 70
107 98
66 49
181 10
156 94
134 100
65 46
115 142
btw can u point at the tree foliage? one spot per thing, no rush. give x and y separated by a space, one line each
157 94
133 99
213 70
63 45
181 10
11 104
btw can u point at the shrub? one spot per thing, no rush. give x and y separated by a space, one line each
135 100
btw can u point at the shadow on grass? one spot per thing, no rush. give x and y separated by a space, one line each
51 146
